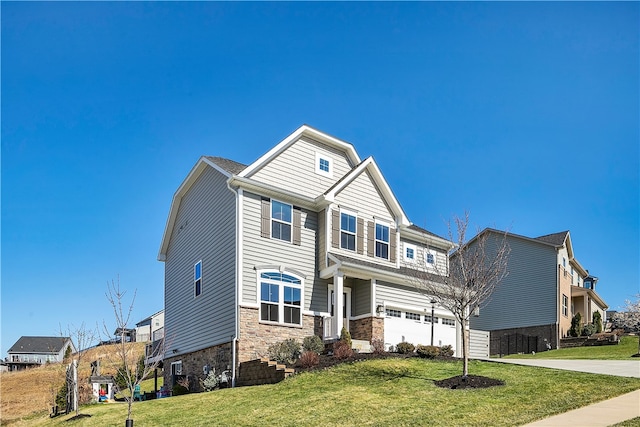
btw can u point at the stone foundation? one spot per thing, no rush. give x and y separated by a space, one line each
255 337
367 329
217 357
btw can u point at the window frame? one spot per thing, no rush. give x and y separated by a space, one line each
273 220
320 157
433 254
565 305
392 312
448 322
286 280
380 242
411 247
197 280
353 215
410 315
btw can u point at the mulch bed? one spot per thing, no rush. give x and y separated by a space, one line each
457 382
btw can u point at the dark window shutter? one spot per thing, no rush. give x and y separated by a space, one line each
297 219
335 228
371 237
392 245
265 217
360 236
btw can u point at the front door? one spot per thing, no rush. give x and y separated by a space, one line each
346 306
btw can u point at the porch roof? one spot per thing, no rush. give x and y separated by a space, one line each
578 291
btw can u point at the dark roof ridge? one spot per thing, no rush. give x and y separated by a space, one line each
229 165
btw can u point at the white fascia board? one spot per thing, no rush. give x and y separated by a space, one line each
434 241
578 267
303 130
261 188
191 178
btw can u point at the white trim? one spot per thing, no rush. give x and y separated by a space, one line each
239 248
281 286
405 246
376 240
316 313
328 159
249 305
355 233
195 279
374 283
361 316
271 219
347 304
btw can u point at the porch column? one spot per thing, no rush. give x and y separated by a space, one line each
338 302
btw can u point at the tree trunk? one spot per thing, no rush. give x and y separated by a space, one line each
465 349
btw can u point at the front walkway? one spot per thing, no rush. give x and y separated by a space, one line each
601 414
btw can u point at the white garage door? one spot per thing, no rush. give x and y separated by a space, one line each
413 327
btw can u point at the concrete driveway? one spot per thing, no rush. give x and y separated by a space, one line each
620 368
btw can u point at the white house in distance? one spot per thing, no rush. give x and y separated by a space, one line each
146 328
257 253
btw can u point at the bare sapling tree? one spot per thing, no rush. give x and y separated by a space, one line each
131 371
83 337
466 282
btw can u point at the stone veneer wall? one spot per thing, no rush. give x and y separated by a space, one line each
367 329
255 337
217 357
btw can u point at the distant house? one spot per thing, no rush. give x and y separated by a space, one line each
146 328
546 286
306 240
28 352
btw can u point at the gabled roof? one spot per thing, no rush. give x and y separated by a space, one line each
39 345
369 164
302 131
231 166
556 239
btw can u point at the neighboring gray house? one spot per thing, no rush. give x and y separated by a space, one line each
28 352
545 287
255 253
146 328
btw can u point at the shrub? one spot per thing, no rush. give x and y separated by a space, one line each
309 359
405 348
597 321
446 351
428 351
576 327
211 382
345 336
588 330
377 346
178 390
313 343
287 351
342 350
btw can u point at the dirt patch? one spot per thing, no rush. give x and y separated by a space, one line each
470 381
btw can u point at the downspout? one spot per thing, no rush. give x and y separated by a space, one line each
238 279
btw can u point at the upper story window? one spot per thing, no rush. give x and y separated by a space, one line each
281 220
565 305
347 231
197 278
382 241
430 258
409 252
324 165
572 275
564 262
280 298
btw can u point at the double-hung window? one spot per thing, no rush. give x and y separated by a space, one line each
382 241
565 305
347 231
281 220
430 258
197 278
280 298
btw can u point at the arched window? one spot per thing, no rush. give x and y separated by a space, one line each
280 298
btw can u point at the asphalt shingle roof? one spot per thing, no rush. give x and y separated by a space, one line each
556 239
230 166
40 345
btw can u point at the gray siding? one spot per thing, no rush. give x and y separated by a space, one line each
295 168
392 293
204 230
528 295
260 251
420 254
360 296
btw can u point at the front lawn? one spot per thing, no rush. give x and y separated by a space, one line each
375 392
628 347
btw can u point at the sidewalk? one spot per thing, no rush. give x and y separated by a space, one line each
602 414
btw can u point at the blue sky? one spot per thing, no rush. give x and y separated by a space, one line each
524 114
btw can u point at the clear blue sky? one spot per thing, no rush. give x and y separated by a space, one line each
525 114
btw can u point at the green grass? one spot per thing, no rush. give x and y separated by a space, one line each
145 385
375 393
628 346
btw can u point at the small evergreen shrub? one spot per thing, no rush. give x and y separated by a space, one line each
576 327
211 382
428 351
446 351
345 336
597 321
287 351
405 348
342 350
313 343
377 346
309 359
588 330
179 390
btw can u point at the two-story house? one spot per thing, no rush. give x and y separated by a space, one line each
29 352
148 327
307 239
545 287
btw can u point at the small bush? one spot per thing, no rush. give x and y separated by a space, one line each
313 343
405 348
377 346
428 351
597 321
342 350
287 351
345 336
211 382
179 390
576 327
446 351
588 330
309 359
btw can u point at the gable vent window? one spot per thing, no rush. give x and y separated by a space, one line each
197 278
324 165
